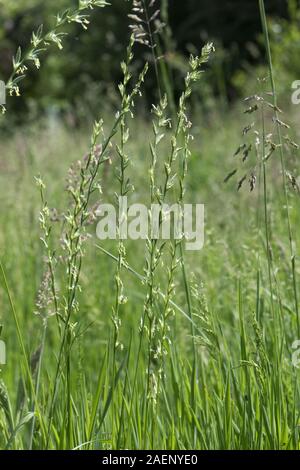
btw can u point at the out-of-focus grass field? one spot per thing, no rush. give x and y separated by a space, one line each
231 409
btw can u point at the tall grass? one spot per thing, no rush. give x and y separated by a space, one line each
138 344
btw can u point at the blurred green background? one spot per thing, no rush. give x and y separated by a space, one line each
88 66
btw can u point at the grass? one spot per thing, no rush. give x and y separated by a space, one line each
133 345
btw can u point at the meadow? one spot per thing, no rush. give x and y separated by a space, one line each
123 344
